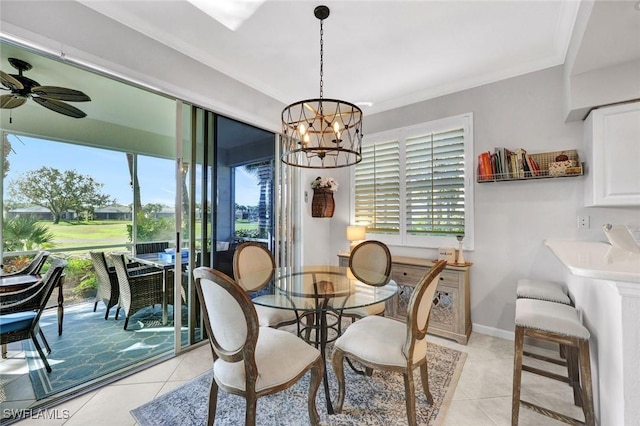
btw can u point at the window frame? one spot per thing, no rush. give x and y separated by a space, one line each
464 121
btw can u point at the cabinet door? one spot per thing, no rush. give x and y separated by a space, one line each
612 141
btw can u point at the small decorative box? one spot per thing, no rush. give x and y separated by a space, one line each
559 168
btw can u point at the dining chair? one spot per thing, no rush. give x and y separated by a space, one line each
370 263
19 319
34 267
382 343
142 248
108 287
253 269
137 290
249 360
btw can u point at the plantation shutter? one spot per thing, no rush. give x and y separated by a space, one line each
377 179
434 179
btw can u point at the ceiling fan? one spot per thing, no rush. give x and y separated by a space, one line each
51 97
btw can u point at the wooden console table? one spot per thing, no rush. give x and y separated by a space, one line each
451 312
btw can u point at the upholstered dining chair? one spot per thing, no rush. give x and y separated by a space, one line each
370 263
382 343
249 360
108 287
253 269
19 319
34 267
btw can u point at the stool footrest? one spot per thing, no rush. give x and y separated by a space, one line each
551 413
545 358
545 373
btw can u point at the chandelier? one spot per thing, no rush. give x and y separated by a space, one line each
321 133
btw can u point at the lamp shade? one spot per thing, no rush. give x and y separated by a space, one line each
356 233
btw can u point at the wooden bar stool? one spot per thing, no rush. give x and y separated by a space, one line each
558 323
543 290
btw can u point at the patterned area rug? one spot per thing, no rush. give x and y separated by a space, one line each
91 348
375 400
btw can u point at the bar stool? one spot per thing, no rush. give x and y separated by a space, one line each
558 323
543 290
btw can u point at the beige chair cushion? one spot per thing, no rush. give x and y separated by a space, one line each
280 356
542 290
271 317
362 339
364 311
549 316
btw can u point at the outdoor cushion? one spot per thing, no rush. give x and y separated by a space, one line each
16 321
280 356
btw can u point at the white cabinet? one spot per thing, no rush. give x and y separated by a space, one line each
612 150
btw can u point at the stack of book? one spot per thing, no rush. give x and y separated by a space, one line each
504 164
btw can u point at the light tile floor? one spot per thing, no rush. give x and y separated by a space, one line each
482 397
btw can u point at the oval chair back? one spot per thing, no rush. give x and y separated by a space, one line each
370 262
253 266
230 318
419 308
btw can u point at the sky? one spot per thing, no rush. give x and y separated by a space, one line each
156 176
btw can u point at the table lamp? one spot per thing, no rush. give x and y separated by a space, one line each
356 234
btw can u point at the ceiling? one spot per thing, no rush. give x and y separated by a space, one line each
386 53
383 53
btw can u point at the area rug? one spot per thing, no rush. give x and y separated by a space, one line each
92 348
375 400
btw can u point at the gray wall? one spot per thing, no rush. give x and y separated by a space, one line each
512 219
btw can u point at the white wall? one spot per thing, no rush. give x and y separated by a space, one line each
512 219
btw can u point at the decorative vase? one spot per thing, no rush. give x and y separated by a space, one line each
322 204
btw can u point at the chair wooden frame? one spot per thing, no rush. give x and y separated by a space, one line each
238 273
417 326
387 267
579 370
246 352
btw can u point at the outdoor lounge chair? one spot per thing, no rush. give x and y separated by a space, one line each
34 267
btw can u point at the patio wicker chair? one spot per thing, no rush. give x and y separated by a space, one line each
249 360
142 248
108 286
20 311
34 267
141 287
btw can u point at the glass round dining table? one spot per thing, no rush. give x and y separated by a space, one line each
320 295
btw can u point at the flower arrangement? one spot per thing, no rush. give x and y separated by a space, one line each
327 182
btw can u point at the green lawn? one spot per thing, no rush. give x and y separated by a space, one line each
78 234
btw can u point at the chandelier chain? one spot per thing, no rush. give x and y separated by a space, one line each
321 59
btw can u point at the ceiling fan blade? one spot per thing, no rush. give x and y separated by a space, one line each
60 93
11 101
10 82
60 107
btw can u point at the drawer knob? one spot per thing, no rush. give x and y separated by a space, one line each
404 273
441 279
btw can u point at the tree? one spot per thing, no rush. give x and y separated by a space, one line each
151 210
7 150
264 172
25 233
59 191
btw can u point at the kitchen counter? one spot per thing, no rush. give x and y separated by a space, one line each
597 260
604 283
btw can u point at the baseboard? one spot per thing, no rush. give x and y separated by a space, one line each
494 332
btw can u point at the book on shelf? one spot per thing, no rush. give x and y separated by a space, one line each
533 166
484 166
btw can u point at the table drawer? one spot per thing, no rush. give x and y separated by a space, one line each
407 275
